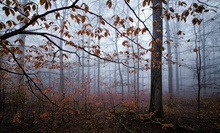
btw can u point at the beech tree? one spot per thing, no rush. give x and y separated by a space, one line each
156 104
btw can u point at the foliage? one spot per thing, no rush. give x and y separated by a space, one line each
30 62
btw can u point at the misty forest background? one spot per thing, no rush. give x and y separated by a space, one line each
86 65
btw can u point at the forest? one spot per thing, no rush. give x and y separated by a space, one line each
109 66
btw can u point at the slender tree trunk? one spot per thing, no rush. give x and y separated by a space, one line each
198 72
135 81
214 61
138 65
203 40
22 48
128 79
20 79
119 66
119 69
88 70
198 69
156 104
99 69
170 70
83 97
176 42
115 79
61 85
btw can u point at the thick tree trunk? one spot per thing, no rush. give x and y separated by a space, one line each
156 104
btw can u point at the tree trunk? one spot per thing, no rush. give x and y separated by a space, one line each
138 63
156 104
198 68
119 69
176 42
203 40
22 48
170 70
99 69
61 85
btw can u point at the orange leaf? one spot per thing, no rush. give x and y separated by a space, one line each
97 52
34 7
46 90
102 21
42 2
26 21
86 8
131 19
152 43
195 50
6 11
171 9
72 16
144 30
27 13
8 2
12 11
144 3
136 31
109 3
125 43
83 18
46 26
17 117
117 19
69 112
57 15
9 23
2 26
65 56
19 18
167 126
44 115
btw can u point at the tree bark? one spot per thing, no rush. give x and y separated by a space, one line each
156 105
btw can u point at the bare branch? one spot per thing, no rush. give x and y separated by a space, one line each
45 35
19 31
217 7
2 69
29 78
154 39
115 28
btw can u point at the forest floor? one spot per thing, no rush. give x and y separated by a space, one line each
181 116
